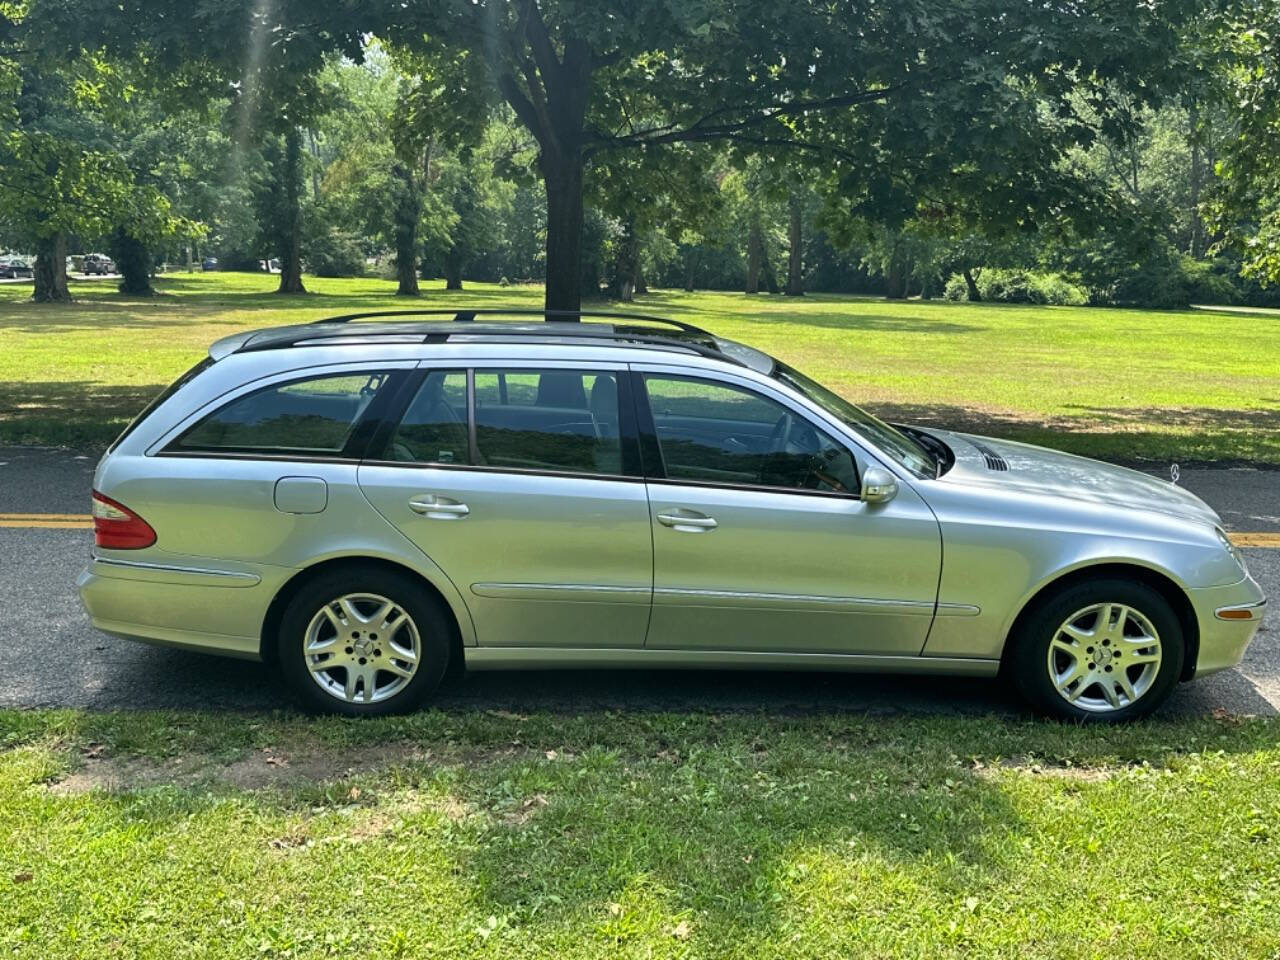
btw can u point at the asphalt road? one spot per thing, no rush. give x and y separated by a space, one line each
51 657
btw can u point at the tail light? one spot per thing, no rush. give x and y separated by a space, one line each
117 527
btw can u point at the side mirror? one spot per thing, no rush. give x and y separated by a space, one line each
878 485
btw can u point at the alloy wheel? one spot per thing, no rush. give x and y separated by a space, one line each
362 648
1104 657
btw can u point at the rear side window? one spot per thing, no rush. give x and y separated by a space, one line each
315 415
561 420
434 427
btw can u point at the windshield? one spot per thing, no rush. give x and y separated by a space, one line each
896 444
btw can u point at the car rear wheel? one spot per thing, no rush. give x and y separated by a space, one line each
364 642
1103 650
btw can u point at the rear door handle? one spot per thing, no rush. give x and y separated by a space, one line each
687 521
435 507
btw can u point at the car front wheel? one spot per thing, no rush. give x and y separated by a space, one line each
1103 650
364 642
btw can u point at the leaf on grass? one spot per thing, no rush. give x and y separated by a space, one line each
23 877
682 930
615 909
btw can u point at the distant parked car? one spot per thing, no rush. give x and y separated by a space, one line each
12 269
209 263
96 263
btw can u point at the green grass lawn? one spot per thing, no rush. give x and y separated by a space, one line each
654 835
1118 384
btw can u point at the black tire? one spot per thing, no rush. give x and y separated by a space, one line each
1029 665
435 629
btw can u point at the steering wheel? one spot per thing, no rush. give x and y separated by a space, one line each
781 433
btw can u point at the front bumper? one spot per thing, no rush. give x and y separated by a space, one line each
1224 633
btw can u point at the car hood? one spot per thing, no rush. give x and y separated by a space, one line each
1039 471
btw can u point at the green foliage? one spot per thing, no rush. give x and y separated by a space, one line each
332 252
1246 204
1020 286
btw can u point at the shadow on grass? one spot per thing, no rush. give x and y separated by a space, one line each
81 414
1120 435
590 835
774 312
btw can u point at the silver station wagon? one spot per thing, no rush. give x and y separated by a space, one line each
373 501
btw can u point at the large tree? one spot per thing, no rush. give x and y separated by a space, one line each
263 58
587 77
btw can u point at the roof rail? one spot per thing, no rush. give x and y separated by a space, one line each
467 316
690 339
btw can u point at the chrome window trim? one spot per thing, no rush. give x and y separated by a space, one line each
753 488
486 468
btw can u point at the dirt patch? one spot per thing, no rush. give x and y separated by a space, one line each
262 769
1055 771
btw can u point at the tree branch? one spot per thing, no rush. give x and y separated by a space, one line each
700 131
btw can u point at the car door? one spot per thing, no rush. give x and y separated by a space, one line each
523 484
761 542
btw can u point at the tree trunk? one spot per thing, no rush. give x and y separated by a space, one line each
315 167
291 230
641 288
767 273
624 262
406 212
755 253
453 268
564 232
795 256
971 286
895 277
690 265
1196 246
51 270
132 261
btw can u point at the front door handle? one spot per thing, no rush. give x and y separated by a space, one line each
687 521
436 507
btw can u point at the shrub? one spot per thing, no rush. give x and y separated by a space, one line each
1019 286
334 253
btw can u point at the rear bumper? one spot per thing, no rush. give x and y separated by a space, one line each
196 608
1225 634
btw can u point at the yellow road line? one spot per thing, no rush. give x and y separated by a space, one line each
82 521
84 517
1256 539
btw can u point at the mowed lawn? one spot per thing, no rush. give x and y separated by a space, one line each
753 836
1119 384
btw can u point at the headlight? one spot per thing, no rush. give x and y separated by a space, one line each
1231 548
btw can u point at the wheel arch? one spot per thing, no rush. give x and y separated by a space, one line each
1162 583
461 620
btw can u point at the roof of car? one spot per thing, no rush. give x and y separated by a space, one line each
570 328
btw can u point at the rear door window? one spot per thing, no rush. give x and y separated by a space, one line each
557 420
316 415
434 427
